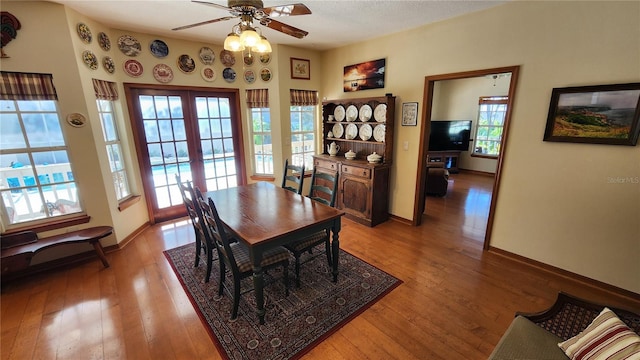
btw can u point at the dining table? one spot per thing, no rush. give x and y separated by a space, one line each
262 216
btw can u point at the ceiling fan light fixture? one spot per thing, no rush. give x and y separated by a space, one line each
249 37
262 46
233 43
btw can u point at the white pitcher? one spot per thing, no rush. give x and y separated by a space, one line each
333 149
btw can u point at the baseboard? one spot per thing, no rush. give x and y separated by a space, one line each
477 172
400 219
128 239
614 290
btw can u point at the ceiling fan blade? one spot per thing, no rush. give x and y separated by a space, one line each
284 28
211 4
204 23
287 10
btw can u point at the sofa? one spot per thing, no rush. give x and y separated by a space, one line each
437 179
570 323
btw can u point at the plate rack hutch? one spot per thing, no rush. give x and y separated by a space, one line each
363 190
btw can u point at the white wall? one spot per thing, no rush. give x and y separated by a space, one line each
557 203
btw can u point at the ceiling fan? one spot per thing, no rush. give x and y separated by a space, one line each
249 10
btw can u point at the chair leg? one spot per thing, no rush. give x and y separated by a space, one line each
221 282
198 247
297 256
285 274
327 247
209 264
236 298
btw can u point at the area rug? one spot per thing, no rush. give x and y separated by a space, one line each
295 323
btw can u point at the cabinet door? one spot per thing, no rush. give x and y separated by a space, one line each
355 195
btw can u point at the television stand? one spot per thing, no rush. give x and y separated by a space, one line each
449 158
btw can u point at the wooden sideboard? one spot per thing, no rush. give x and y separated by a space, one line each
363 187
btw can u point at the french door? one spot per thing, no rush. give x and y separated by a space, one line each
194 133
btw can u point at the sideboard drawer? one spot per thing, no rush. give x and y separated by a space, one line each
325 164
356 171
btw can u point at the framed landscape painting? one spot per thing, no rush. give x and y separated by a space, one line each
600 114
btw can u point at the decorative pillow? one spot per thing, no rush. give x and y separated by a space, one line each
607 337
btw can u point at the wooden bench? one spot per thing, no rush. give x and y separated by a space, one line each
18 249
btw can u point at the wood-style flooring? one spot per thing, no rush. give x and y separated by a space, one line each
455 302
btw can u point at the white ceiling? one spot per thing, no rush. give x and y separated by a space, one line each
332 23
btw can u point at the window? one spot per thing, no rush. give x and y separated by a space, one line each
106 93
36 178
262 149
303 119
114 148
491 115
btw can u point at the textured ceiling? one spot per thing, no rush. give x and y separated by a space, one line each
331 24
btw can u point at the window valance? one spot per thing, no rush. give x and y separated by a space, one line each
258 98
304 97
26 86
105 90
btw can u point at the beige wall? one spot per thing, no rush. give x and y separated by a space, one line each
557 203
561 204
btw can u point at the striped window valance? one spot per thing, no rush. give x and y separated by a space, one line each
105 90
27 86
258 98
304 97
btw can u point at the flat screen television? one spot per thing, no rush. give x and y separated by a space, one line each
450 135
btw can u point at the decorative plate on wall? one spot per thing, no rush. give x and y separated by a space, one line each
76 120
159 48
186 64
84 32
90 59
208 74
248 59
227 58
265 59
133 68
265 74
109 64
249 76
229 75
104 41
207 56
129 45
162 73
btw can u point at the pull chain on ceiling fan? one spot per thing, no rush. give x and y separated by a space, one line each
244 35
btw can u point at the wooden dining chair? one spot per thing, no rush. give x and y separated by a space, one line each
195 214
323 189
293 174
236 256
187 199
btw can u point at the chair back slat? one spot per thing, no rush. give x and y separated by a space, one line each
293 174
324 187
215 231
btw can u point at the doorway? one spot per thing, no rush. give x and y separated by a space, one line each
430 81
193 133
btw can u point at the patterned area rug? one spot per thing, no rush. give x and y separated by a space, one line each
294 324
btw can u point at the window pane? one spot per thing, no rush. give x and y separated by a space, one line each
11 133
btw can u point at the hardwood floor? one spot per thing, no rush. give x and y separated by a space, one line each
455 303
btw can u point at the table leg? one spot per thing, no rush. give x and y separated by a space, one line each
335 248
258 284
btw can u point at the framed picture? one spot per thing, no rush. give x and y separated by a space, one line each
364 76
300 69
410 114
599 114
